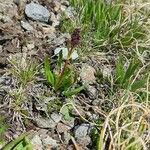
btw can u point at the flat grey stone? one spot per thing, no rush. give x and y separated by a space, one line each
66 137
82 134
49 142
84 141
92 91
82 130
56 117
48 122
37 12
69 12
37 143
26 26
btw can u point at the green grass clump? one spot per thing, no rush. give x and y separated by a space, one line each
23 69
17 97
107 25
130 76
125 78
126 125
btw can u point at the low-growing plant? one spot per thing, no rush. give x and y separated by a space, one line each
124 77
17 96
64 77
54 105
17 100
23 70
66 110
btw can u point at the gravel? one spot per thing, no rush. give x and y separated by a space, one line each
42 141
92 91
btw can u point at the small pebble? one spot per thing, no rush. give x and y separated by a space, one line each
26 26
82 130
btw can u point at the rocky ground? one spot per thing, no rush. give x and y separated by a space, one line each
30 29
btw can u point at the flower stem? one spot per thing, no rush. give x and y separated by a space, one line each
61 74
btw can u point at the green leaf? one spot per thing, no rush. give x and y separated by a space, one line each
19 146
119 71
75 91
130 71
13 144
23 145
28 145
48 73
138 84
3 128
65 81
66 113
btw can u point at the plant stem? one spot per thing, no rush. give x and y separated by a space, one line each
61 74
70 51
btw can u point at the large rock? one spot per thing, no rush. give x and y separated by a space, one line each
37 12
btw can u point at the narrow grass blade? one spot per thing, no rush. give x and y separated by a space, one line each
130 71
138 84
48 73
119 71
73 91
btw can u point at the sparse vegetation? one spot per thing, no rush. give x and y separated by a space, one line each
126 127
126 77
113 27
23 70
109 25
111 35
